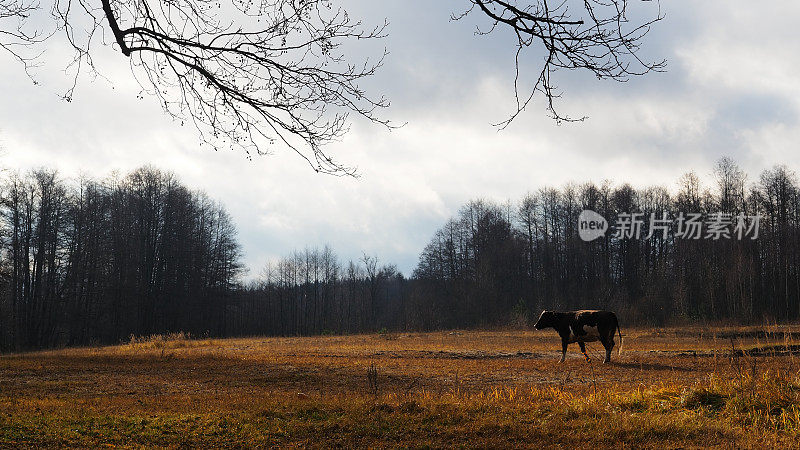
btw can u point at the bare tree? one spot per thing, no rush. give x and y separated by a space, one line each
591 35
247 74
731 182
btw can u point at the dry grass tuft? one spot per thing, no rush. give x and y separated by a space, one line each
167 341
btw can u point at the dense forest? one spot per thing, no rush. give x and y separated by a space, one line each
492 260
99 261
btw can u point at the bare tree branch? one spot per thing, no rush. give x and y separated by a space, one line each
592 35
14 37
250 74
246 73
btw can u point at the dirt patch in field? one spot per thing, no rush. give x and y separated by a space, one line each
687 353
770 350
442 354
757 334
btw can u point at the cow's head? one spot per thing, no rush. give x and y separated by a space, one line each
546 320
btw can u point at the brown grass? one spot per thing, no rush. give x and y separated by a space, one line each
687 387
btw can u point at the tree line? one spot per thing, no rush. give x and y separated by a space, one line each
496 261
500 263
98 261
313 292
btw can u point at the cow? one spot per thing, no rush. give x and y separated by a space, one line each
581 327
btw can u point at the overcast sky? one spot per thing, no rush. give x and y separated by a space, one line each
731 89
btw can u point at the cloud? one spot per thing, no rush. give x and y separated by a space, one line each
730 90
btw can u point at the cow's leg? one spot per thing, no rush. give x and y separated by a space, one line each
609 345
564 344
583 350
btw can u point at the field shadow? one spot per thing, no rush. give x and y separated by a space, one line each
151 374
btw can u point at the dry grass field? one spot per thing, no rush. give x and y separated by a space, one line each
681 387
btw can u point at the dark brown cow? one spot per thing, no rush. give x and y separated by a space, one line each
581 327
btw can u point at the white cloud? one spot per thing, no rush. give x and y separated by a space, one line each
449 86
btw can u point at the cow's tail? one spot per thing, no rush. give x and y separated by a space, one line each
619 332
